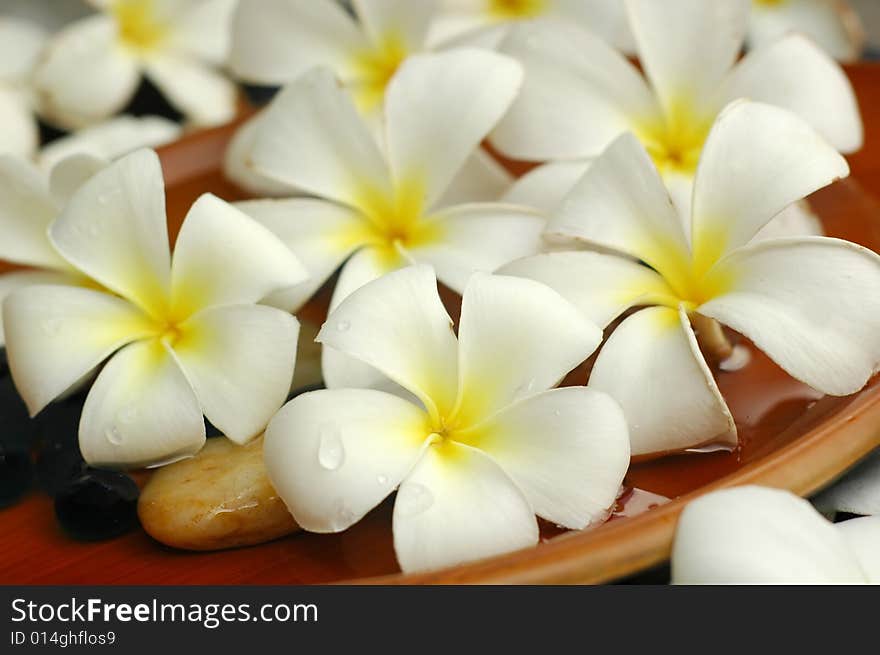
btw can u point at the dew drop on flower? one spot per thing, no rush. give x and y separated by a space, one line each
343 326
331 452
382 480
342 514
556 412
413 499
114 435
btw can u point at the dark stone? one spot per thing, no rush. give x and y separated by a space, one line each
56 446
16 473
16 427
98 505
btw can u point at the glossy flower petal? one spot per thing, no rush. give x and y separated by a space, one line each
238 165
545 187
458 505
20 134
197 90
862 535
140 411
754 535
68 176
566 449
11 282
334 455
651 364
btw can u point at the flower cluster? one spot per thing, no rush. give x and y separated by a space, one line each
666 207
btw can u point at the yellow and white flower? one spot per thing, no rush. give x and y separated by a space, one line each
832 24
384 208
756 535
276 41
487 22
579 95
184 336
484 447
810 303
20 45
92 67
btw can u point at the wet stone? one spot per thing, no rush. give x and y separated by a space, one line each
16 473
58 460
221 498
98 505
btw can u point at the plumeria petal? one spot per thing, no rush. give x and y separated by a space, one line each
516 337
238 165
84 76
11 282
223 257
239 360
334 455
622 204
479 237
200 92
321 234
312 137
795 74
652 366
835 26
600 285
596 95
566 449
204 30
114 230
141 411
111 139
458 505
20 134
21 42
739 189
687 47
862 535
480 179
546 186
858 492
430 131
795 220
400 19
810 303
754 535
26 210
275 41
55 335
69 175
398 325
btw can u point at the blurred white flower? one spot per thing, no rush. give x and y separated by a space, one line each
858 492
487 444
93 66
20 45
757 535
832 24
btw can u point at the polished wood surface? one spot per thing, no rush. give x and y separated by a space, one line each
791 437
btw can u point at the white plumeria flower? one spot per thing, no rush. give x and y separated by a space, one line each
579 95
484 447
183 336
29 202
858 492
92 67
487 22
386 208
111 139
832 24
811 303
756 535
276 41
20 46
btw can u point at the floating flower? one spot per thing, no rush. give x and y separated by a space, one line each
756 535
484 447
92 67
487 22
187 335
384 208
810 303
29 202
276 41
832 24
858 492
20 45
579 95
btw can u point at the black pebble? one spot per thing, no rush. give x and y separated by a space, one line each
98 505
16 473
56 446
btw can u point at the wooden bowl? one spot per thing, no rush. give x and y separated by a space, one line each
791 437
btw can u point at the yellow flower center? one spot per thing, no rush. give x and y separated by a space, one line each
141 27
516 9
676 143
375 68
769 3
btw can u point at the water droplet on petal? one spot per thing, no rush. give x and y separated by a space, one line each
413 499
382 480
556 412
104 199
113 435
51 327
342 515
343 326
331 452
128 414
